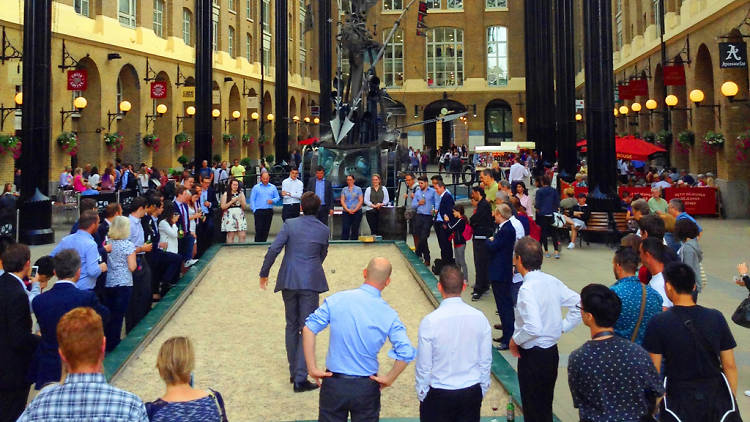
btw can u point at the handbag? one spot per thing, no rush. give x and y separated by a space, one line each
558 220
741 315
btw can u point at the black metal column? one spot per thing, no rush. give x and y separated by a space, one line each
565 90
600 131
35 205
540 97
203 79
325 61
281 91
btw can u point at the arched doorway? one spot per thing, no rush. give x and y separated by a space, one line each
704 118
188 124
734 121
498 122
217 145
432 111
266 141
128 89
235 126
90 135
163 128
251 126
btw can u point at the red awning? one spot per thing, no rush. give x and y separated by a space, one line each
630 148
308 141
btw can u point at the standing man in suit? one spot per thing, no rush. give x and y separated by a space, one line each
482 226
320 186
165 266
500 246
301 279
209 204
17 343
444 209
50 306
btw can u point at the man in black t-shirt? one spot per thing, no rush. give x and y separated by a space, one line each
696 347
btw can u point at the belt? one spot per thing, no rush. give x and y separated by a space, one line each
348 377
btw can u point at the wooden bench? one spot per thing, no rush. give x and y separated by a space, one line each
612 225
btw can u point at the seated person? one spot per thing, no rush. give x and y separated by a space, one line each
576 218
568 201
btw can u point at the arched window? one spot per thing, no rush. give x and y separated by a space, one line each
497 56
445 57
393 60
498 123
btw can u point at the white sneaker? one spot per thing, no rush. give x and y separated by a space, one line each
747 393
190 262
571 245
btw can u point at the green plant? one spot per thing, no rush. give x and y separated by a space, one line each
183 160
247 163
262 139
182 139
649 137
713 141
114 142
247 139
152 141
686 138
68 141
216 158
269 158
663 138
228 138
10 143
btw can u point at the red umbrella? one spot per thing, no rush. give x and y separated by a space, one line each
308 141
630 148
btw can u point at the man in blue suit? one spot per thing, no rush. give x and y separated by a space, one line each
301 279
50 306
500 246
445 204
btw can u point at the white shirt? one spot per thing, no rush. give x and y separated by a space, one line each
661 184
657 283
623 167
520 232
168 233
368 204
518 172
94 181
294 188
455 348
539 322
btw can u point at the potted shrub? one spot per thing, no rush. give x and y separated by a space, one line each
183 160
10 143
182 139
742 145
269 159
151 141
114 142
713 141
68 141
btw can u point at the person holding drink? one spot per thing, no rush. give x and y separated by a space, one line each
233 205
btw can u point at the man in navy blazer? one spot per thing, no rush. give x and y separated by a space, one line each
322 187
445 209
500 247
50 306
301 279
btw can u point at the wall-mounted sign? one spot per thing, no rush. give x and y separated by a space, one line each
187 93
159 89
580 104
315 111
78 80
674 75
732 55
252 102
625 92
639 87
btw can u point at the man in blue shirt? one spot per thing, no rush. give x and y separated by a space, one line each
676 208
424 202
323 189
262 198
83 242
360 321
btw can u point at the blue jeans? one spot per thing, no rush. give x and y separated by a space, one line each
116 299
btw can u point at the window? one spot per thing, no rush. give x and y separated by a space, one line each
158 17
455 4
498 123
433 4
393 5
618 25
215 32
657 15
118 97
126 13
445 57
393 60
81 7
302 44
187 23
249 47
248 9
230 5
266 16
497 56
345 7
496 4
266 58
230 41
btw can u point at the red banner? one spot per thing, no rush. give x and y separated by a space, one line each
78 80
674 75
624 92
639 88
159 89
698 201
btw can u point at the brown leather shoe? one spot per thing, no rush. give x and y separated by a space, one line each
498 326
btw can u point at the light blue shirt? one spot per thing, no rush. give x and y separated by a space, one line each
85 245
684 215
124 178
136 232
203 199
320 190
430 200
360 320
260 195
351 198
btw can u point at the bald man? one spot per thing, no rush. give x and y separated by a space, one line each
360 322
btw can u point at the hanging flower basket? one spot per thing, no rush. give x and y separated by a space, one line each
713 141
742 145
649 137
182 139
247 139
68 141
262 139
228 138
663 138
151 141
114 142
10 143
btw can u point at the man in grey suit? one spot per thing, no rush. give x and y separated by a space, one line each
301 279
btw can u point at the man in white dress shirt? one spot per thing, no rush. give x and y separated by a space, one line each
291 192
454 356
518 173
538 327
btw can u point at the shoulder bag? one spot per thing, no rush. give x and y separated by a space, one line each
640 316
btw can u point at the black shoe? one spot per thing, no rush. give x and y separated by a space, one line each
498 327
291 380
498 340
475 297
301 387
502 346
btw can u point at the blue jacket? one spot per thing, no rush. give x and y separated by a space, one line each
501 253
547 201
445 207
49 307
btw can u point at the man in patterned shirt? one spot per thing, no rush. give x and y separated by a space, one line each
85 394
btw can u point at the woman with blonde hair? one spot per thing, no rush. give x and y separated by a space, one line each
376 197
181 402
118 287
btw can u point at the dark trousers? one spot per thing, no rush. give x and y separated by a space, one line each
422 226
443 236
452 405
695 400
262 224
185 246
481 258
545 222
373 220
341 397
116 299
165 270
12 403
141 296
350 225
502 291
514 288
323 214
204 232
537 373
289 211
298 304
